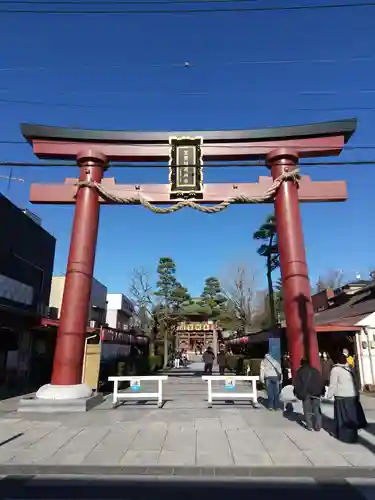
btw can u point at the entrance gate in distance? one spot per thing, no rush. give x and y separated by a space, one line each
280 148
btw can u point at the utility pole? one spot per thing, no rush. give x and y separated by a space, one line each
10 178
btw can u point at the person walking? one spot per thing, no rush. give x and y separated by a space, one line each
349 416
309 388
326 364
287 370
177 359
208 359
222 361
270 376
184 357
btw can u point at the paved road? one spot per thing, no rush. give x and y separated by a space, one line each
156 488
185 434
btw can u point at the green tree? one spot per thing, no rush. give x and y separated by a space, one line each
270 250
171 296
167 281
196 307
212 295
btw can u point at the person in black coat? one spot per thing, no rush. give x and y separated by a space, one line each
222 361
208 359
327 365
309 388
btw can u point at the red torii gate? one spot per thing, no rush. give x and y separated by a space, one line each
280 147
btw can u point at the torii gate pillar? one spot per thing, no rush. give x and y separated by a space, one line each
299 314
69 352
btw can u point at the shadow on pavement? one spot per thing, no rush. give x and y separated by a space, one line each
181 372
264 402
328 424
291 415
91 487
371 428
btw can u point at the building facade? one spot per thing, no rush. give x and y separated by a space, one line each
98 301
120 311
196 334
346 319
27 253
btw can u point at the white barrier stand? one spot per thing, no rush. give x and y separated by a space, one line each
226 396
135 382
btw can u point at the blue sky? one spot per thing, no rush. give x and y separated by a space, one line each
127 73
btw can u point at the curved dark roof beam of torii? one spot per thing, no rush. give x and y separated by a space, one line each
312 140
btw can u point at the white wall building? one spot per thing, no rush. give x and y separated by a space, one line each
98 300
120 311
365 347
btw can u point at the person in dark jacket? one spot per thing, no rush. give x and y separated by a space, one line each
309 388
222 361
327 365
208 359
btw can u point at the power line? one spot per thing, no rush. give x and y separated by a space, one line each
328 6
217 165
192 65
116 106
55 104
121 2
143 93
339 108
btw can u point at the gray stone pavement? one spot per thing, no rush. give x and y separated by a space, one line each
184 433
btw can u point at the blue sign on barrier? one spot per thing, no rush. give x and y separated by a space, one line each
135 385
229 384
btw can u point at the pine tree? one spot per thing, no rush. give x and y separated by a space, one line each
212 295
270 250
171 294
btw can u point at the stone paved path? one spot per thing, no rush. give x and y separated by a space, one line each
185 433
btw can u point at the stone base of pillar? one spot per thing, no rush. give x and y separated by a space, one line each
51 391
60 399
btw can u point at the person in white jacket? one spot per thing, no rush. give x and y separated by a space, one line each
270 375
349 416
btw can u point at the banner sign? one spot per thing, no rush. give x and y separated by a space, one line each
196 326
114 336
274 347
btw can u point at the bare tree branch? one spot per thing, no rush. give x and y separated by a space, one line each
333 278
141 290
239 287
